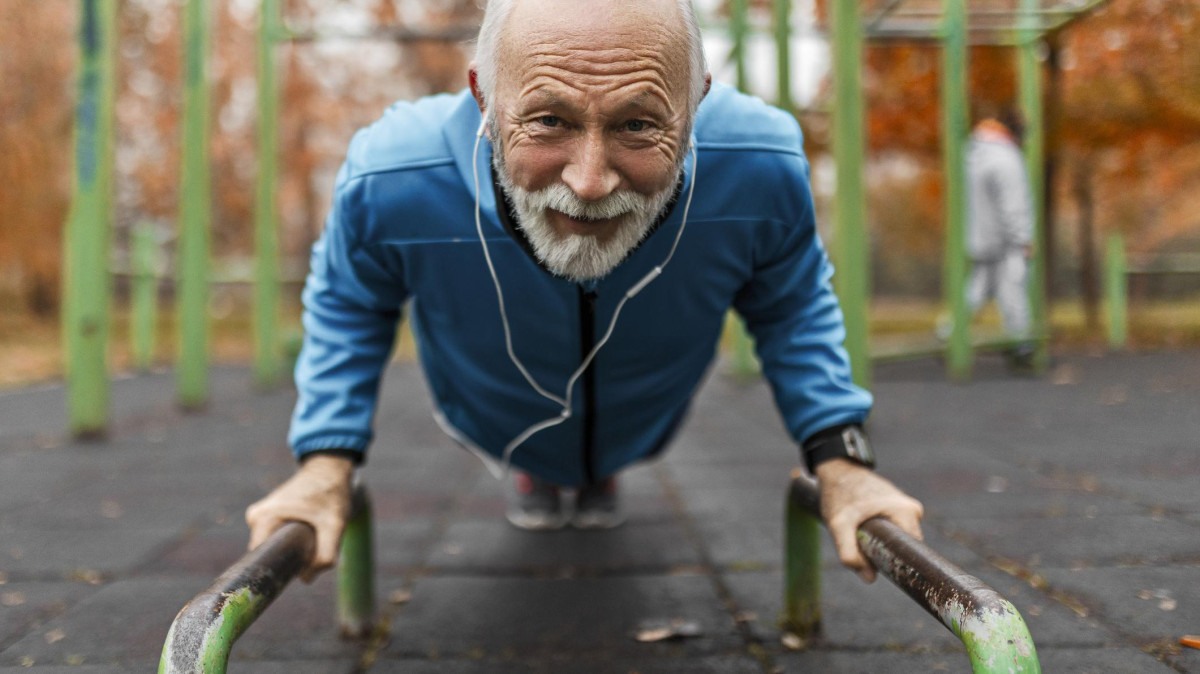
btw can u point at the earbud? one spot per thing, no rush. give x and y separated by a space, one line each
482 127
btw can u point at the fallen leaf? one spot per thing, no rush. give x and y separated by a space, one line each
745 616
995 484
792 642
54 636
677 628
400 597
3 578
1065 375
12 598
1168 604
74 659
110 509
1190 640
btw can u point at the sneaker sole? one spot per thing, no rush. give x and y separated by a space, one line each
530 522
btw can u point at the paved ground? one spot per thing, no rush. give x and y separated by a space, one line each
1076 496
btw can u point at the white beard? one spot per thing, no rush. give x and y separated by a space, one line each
580 257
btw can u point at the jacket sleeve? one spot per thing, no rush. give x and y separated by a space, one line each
791 310
352 300
1013 204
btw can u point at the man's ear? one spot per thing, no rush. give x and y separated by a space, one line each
477 94
707 85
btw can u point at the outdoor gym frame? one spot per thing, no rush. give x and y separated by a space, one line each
991 629
86 305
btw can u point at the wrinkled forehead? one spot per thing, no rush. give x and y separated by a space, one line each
649 33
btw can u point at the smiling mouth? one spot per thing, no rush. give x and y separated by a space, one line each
584 219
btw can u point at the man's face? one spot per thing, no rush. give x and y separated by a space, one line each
589 125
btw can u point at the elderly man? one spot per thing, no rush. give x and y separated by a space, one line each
571 235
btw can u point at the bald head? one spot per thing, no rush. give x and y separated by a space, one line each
667 29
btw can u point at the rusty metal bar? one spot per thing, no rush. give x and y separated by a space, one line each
988 625
202 636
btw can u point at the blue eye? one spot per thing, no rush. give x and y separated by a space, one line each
636 125
549 121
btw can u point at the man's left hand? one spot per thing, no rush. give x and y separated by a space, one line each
852 494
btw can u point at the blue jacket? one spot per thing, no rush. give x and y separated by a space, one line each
402 227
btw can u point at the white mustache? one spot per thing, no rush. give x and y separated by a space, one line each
559 197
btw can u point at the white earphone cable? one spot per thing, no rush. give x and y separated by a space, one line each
563 401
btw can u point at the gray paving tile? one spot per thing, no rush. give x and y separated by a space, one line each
1080 541
872 662
33 552
125 621
1100 661
1177 492
1150 604
35 667
24 606
522 618
494 546
730 664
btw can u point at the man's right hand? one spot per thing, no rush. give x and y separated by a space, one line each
318 495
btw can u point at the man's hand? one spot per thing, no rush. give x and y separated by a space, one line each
852 494
319 495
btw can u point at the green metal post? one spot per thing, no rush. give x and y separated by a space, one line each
267 356
1029 72
851 258
783 51
356 572
144 295
739 26
194 212
85 320
954 133
1116 290
802 566
745 366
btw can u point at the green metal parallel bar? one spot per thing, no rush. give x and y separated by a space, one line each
1116 270
194 212
85 309
954 133
739 28
202 636
1029 72
268 359
356 572
989 626
802 567
144 296
851 250
783 54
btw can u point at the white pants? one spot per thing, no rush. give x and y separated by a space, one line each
1004 280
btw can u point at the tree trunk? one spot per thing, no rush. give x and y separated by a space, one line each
1053 107
1088 286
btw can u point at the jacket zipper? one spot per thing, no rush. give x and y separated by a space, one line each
587 331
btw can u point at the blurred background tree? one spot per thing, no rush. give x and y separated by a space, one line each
1122 92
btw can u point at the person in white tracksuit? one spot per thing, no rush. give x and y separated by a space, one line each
1000 226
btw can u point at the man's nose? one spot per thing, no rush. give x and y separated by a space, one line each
589 174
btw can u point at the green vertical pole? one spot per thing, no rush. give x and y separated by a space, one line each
1115 286
143 315
783 51
1029 72
356 572
267 356
194 213
851 259
739 21
802 570
954 132
85 320
745 366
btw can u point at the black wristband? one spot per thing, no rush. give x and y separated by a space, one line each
356 457
847 441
